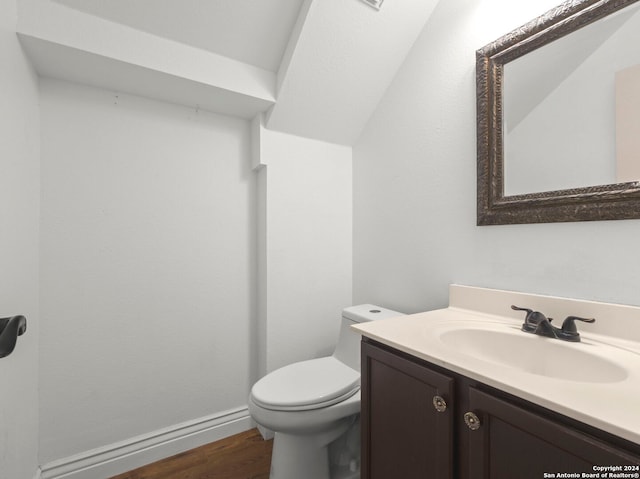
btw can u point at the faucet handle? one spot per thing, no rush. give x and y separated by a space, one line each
518 308
569 324
532 317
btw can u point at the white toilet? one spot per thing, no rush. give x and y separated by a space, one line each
312 403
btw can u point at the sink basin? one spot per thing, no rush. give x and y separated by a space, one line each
533 354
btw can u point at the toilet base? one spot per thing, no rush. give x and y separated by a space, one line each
297 457
304 456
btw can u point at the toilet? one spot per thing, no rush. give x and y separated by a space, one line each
313 404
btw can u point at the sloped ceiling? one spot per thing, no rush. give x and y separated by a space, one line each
251 31
345 57
334 59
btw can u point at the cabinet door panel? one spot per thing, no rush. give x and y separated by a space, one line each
513 442
403 434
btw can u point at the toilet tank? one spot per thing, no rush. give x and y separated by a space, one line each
348 348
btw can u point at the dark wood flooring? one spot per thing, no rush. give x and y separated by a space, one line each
242 456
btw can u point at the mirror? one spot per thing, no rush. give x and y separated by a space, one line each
558 117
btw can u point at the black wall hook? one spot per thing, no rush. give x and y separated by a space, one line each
10 329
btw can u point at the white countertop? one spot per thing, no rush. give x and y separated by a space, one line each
611 404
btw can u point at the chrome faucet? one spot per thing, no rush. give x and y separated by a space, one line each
537 323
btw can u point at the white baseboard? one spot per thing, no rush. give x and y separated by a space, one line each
114 459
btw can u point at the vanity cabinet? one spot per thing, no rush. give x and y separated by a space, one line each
470 430
403 436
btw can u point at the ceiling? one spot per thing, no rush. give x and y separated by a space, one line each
251 31
328 62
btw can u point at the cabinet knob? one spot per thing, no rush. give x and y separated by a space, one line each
472 421
439 403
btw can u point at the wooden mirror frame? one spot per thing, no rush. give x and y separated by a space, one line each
602 202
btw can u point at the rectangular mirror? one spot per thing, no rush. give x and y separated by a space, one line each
558 117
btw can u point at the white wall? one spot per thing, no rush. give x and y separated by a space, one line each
19 210
415 188
305 246
148 270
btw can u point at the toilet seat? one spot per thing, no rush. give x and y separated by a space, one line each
306 385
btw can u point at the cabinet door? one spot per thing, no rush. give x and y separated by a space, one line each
403 435
513 442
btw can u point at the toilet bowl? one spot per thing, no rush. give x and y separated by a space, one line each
312 403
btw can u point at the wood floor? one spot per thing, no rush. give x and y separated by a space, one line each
243 456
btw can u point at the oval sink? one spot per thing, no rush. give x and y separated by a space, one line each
533 354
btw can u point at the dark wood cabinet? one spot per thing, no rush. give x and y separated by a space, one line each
511 438
502 436
404 436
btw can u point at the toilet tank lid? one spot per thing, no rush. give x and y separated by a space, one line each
368 312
